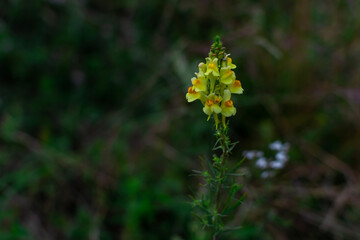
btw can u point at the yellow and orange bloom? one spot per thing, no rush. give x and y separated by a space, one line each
227 106
227 62
212 105
236 87
200 82
227 76
212 67
192 94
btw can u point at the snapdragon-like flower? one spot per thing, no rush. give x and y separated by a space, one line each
236 87
214 84
227 62
212 67
212 105
192 94
227 75
199 83
227 106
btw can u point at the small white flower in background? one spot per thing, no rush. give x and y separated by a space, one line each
276 146
250 154
253 154
276 164
261 163
281 157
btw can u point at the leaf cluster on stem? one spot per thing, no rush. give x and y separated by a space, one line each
222 189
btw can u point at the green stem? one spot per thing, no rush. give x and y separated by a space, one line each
219 184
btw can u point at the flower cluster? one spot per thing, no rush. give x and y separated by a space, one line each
268 165
214 84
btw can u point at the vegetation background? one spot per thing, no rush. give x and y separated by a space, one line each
97 140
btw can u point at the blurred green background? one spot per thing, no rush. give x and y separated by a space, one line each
97 140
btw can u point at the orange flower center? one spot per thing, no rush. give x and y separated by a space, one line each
229 103
217 99
237 84
196 82
191 90
209 102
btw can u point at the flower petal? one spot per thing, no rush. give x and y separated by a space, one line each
216 108
227 95
207 110
228 111
192 96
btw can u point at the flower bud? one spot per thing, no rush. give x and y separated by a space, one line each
202 67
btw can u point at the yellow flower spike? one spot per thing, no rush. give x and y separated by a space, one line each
214 83
236 87
212 67
227 76
211 106
227 106
192 95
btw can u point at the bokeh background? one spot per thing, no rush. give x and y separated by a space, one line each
97 140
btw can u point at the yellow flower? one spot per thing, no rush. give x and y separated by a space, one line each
236 87
227 75
212 105
227 106
200 82
212 67
192 95
227 62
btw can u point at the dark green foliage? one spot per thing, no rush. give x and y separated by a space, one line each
219 194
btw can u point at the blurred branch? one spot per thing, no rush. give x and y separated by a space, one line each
340 200
335 227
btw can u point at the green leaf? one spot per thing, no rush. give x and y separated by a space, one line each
209 165
228 210
236 167
216 148
232 145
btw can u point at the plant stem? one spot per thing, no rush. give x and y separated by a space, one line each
222 165
219 184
